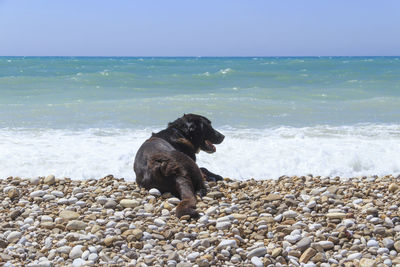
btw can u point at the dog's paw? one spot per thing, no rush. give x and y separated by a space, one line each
214 178
202 192
184 209
218 178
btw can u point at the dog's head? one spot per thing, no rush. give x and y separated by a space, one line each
198 130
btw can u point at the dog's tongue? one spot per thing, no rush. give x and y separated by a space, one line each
210 146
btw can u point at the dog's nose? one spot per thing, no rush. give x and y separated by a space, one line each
221 137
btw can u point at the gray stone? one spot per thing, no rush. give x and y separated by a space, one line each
257 252
303 244
76 225
35 180
257 262
110 204
49 180
227 243
174 200
45 263
155 192
85 254
388 262
76 252
326 244
159 222
290 214
57 193
93 257
388 243
203 219
14 236
383 251
354 256
38 193
348 223
223 225
101 200
78 263
372 243
129 203
292 238
193 256
64 249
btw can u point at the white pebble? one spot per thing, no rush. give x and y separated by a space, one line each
372 243
38 193
159 222
193 256
257 262
155 192
93 257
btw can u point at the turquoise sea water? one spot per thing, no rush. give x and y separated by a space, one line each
321 115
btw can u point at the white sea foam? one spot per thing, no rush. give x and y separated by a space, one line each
225 71
246 153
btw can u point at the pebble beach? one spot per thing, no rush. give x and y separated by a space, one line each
290 221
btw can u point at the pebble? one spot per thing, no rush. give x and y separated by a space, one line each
348 223
69 215
227 243
372 243
290 214
38 193
304 243
76 225
223 225
193 256
393 187
129 203
336 215
257 252
155 192
326 244
174 200
78 263
292 238
364 262
76 252
354 256
211 210
35 180
93 257
159 222
110 204
257 262
14 236
312 221
387 262
388 243
50 180
307 255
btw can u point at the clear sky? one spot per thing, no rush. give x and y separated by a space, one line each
199 28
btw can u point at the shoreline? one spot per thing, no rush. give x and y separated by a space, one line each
290 220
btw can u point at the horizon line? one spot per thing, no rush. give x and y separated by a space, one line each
1 56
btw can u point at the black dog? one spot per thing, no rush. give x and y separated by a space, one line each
166 161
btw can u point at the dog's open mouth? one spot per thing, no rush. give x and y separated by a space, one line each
208 147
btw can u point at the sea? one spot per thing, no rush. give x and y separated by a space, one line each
85 117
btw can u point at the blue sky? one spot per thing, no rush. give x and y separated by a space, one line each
199 28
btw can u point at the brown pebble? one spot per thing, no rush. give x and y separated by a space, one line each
307 255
